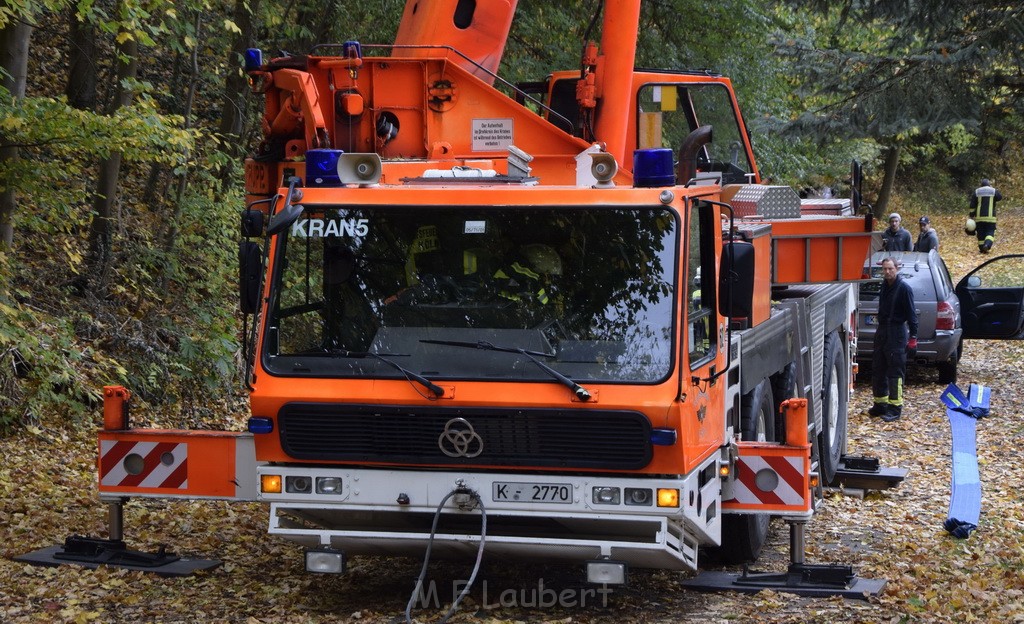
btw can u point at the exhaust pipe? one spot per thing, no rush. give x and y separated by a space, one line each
687 167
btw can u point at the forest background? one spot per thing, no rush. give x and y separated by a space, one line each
124 124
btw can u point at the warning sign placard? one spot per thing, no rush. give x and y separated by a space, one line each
491 134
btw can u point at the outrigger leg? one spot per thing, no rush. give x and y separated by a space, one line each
800 578
92 552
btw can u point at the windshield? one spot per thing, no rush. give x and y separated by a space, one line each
587 291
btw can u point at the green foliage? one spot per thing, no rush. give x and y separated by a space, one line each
167 328
44 368
920 75
58 143
14 10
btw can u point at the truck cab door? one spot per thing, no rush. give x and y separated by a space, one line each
992 299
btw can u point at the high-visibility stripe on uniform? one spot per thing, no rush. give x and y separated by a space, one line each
898 399
986 210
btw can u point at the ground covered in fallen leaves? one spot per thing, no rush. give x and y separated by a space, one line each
47 491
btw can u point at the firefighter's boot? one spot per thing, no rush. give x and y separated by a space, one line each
892 412
878 409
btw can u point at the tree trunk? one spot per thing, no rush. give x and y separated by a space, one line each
14 42
179 197
81 87
106 182
892 161
236 92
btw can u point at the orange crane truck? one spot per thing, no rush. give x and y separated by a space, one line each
569 311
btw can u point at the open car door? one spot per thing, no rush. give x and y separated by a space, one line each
992 299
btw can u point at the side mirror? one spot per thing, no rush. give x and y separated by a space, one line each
291 211
974 281
250 268
252 223
283 220
736 280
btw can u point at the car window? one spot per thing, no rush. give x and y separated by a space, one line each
917 275
920 279
945 281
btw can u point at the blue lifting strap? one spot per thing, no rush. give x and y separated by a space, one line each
963 413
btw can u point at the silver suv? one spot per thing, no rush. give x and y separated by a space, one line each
939 333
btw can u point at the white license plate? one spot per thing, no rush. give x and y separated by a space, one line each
869 319
504 491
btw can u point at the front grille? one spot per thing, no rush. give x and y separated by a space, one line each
618 440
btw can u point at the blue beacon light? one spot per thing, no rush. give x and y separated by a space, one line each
653 167
260 424
322 167
253 59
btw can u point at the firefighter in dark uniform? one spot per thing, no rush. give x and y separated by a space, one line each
983 213
896 321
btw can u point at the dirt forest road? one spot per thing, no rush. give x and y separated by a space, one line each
47 492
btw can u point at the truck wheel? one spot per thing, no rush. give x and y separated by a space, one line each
835 395
743 536
783 387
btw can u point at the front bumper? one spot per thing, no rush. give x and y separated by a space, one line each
390 512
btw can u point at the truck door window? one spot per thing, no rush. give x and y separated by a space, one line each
669 112
700 283
590 289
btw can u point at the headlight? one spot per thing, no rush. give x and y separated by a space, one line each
298 485
328 485
606 495
638 496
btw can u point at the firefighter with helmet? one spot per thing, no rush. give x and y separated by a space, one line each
982 219
529 275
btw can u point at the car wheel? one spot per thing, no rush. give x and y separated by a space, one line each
947 369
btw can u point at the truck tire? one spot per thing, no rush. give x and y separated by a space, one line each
835 392
783 387
743 536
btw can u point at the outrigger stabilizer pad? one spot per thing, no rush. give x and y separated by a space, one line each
92 552
803 579
963 413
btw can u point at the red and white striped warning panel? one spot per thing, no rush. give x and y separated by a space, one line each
177 464
144 464
769 480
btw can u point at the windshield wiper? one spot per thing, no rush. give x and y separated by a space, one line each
435 389
581 393
426 383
